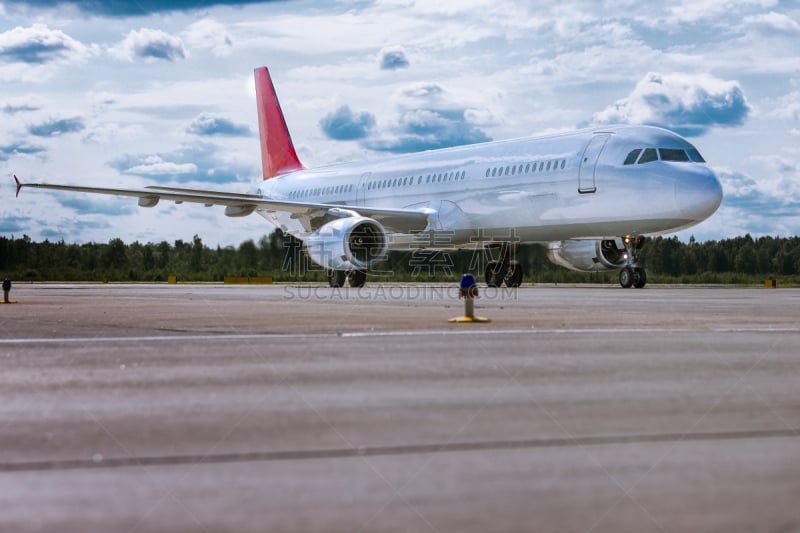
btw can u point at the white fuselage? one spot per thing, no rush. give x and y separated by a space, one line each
556 187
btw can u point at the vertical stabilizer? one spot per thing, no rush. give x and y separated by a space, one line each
277 151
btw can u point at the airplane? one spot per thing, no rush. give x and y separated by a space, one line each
593 195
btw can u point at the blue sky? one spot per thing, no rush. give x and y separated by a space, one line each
126 94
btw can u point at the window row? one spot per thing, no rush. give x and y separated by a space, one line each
430 178
647 155
526 168
318 191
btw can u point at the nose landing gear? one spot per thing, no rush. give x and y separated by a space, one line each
633 275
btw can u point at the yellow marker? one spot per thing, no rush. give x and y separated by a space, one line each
469 291
6 291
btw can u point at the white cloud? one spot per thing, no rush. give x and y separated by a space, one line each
34 53
150 45
155 166
110 132
393 58
692 11
209 34
687 104
773 22
785 107
39 44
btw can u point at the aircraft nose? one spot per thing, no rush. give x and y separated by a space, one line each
698 194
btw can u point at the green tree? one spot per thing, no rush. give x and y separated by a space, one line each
115 256
196 262
745 261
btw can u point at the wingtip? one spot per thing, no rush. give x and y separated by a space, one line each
19 185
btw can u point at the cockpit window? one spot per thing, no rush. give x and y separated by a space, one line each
695 156
673 154
631 159
648 155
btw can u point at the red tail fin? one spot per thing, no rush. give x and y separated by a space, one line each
277 151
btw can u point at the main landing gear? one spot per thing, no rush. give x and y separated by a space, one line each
356 278
505 270
633 275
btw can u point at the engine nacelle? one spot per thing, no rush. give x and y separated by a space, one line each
349 243
588 256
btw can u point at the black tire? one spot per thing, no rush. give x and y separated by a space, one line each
639 278
513 277
357 278
626 277
495 273
336 278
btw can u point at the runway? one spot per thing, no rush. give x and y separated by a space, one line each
305 408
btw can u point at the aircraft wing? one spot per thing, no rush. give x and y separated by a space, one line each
311 215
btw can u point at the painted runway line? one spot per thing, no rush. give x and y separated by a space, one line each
392 450
396 333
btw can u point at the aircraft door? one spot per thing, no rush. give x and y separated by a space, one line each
591 154
361 190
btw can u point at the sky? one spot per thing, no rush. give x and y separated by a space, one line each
128 94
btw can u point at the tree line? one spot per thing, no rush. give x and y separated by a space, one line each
667 259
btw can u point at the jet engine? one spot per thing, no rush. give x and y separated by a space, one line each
588 256
349 243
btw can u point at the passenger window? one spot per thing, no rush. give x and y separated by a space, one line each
648 155
672 154
563 163
548 165
541 166
631 159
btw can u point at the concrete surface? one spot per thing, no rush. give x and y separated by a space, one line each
304 408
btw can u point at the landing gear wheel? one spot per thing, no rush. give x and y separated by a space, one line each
513 277
633 275
495 274
357 278
639 278
336 278
626 277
